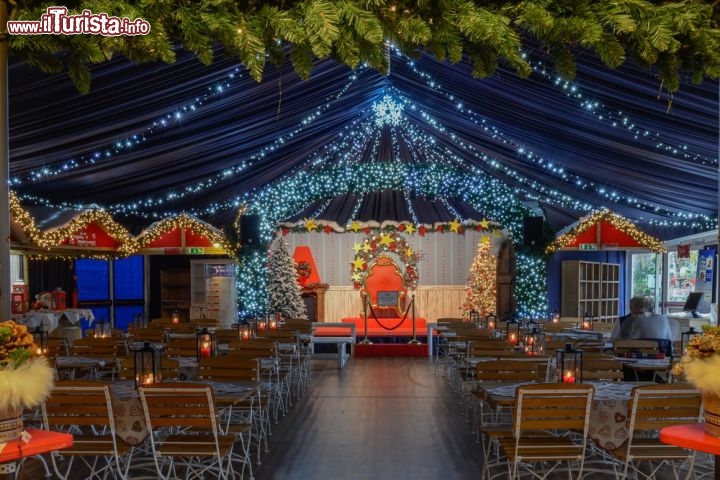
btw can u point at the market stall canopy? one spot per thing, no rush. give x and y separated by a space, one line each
604 230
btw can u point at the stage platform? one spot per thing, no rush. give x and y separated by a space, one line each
345 338
387 327
391 350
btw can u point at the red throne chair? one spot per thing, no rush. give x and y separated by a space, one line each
384 289
385 300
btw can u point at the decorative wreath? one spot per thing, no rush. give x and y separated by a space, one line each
385 242
303 269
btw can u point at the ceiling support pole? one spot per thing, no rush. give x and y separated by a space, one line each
4 166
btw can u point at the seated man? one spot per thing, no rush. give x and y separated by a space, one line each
642 325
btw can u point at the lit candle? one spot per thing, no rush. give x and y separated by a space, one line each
273 324
512 339
205 350
569 377
261 327
246 334
491 324
586 325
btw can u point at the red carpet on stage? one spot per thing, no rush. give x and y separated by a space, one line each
391 350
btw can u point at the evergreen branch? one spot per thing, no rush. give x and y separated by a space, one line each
362 21
302 60
678 38
321 20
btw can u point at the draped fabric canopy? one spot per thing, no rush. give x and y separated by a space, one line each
151 141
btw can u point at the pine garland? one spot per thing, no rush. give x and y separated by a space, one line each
677 38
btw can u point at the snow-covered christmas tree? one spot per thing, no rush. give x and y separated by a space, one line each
283 288
482 281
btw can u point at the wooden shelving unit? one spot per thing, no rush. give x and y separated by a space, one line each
590 288
175 292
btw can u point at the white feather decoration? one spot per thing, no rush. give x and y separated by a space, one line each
27 385
703 373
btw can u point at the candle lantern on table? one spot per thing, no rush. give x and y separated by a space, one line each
513 330
475 318
685 338
102 329
261 325
275 321
147 364
587 322
205 343
40 338
555 316
534 341
244 330
491 321
175 317
569 364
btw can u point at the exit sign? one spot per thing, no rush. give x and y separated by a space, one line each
588 246
194 250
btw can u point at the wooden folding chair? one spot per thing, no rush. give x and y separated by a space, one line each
84 409
181 347
549 429
185 431
653 407
621 347
103 349
244 419
602 369
493 372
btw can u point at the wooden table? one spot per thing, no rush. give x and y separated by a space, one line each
41 441
693 436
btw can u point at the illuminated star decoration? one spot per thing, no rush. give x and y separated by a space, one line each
357 247
385 239
454 225
355 226
358 263
387 112
310 224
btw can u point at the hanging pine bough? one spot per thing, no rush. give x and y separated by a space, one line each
676 38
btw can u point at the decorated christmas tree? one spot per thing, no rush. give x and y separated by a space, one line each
482 282
283 286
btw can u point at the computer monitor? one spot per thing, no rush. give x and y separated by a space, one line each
387 298
692 302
